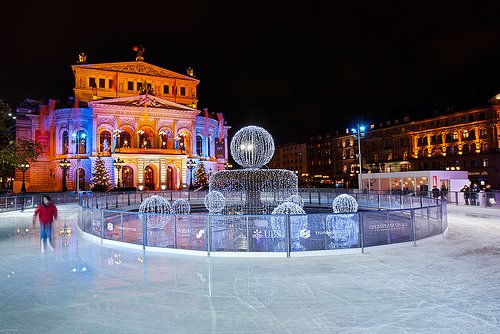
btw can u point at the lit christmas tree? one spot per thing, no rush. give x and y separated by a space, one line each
100 180
201 176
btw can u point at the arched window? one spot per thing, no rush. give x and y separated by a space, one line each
449 150
465 149
209 140
473 148
145 140
455 135
455 149
165 139
80 139
472 134
448 137
199 145
465 134
105 141
65 142
127 177
124 140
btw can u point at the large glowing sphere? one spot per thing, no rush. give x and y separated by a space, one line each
215 201
252 147
344 203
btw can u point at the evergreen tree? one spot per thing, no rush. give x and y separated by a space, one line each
201 176
100 180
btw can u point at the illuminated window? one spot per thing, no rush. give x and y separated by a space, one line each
65 142
455 135
199 145
484 147
483 133
485 163
465 134
105 141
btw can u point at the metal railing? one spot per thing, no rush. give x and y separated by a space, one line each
384 219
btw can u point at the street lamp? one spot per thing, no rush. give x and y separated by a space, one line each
358 131
64 164
23 167
78 136
228 165
118 164
190 165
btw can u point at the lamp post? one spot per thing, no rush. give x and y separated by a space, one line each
64 164
118 164
358 130
78 137
228 165
23 167
190 165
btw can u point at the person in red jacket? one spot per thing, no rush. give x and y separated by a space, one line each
47 213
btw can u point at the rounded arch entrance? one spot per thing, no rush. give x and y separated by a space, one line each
151 176
173 177
127 177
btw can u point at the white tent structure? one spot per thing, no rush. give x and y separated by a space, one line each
415 181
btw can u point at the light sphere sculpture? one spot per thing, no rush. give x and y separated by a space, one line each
297 200
215 201
155 204
160 209
344 203
181 207
253 190
298 222
252 147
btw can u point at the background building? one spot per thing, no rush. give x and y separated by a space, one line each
462 140
293 157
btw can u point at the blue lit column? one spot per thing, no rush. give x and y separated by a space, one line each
358 130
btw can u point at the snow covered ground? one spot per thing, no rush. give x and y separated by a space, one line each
447 284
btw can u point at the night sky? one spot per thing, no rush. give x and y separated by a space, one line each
296 70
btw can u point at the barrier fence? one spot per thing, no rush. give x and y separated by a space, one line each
383 219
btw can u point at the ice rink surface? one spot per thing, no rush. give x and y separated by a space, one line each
446 284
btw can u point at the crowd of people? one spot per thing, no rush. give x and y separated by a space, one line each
471 194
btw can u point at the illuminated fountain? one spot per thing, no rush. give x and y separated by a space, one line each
253 190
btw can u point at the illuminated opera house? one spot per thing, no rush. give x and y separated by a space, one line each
141 119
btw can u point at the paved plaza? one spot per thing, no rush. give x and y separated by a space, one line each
446 284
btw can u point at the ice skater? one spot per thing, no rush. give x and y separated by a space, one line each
47 214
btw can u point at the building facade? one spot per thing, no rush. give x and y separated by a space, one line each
464 140
293 157
135 113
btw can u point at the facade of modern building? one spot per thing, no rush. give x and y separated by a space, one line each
293 157
142 116
464 140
